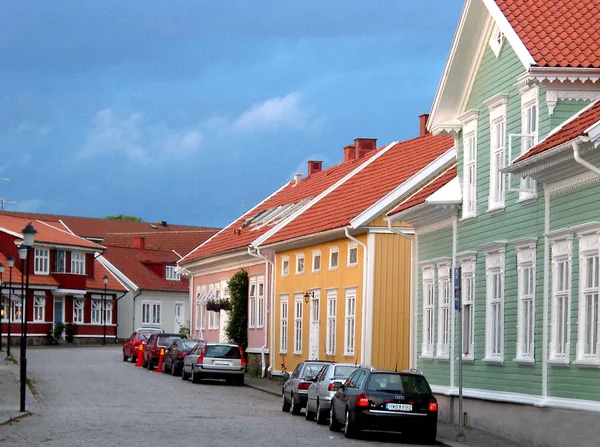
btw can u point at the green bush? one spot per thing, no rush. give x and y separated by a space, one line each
54 334
237 328
70 332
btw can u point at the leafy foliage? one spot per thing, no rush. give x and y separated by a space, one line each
237 328
123 217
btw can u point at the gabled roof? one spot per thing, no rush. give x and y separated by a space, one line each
46 233
365 189
137 265
181 242
561 33
239 234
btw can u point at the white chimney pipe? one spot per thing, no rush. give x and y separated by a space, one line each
297 177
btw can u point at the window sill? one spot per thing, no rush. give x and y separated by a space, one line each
524 361
468 359
469 218
316 271
527 200
496 209
442 357
494 361
349 354
297 353
285 275
426 357
299 273
587 363
558 362
352 265
332 269
283 352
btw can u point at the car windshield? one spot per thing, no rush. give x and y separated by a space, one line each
222 352
343 372
166 341
312 369
398 383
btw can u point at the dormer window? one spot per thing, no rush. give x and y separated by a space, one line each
172 274
496 40
78 263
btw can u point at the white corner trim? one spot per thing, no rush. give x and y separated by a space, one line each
468 116
586 228
571 183
525 242
559 234
499 99
491 247
466 256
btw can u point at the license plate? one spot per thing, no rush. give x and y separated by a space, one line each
222 362
398 407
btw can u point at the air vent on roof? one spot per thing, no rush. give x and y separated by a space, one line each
153 226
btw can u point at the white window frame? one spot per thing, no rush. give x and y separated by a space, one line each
260 302
526 282
494 302
151 313
42 261
352 247
60 255
78 309
469 120
445 302
497 111
283 324
156 313
468 264
350 322
298 312
561 248
316 255
108 310
529 99
285 266
77 263
496 40
428 324
39 307
16 306
331 321
172 273
334 250
251 304
588 345
300 266
96 311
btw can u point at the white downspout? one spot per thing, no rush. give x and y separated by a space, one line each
453 310
546 297
412 294
365 308
586 164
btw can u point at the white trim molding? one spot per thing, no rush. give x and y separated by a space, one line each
441 225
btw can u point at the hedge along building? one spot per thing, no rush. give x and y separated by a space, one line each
517 71
213 263
342 276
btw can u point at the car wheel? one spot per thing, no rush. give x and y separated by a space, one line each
321 415
349 429
173 370
333 424
184 375
285 405
145 363
430 435
295 406
308 415
150 365
124 357
195 377
240 381
164 368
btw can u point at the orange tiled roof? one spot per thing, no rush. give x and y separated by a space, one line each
181 242
568 132
420 196
236 236
557 33
366 187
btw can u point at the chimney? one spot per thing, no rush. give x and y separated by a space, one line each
139 242
349 153
364 145
314 167
423 132
297 178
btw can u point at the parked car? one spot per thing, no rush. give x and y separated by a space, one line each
215 361
132 344
327 381
295 389
174 355
156 342
386 401
151 329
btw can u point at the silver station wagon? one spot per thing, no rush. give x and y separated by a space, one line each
215 361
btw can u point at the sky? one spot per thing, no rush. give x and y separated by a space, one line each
192 112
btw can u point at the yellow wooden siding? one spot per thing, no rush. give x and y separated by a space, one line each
391 302
339 279
381 222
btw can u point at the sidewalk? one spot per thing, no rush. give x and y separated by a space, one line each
446 432
10 392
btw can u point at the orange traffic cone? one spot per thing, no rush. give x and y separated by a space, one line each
160 361
140 356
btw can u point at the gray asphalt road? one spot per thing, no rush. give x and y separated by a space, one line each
90 397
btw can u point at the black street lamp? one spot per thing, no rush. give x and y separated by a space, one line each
104 309
1 303
11 264
28 236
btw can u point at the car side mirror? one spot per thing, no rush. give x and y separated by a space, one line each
337 385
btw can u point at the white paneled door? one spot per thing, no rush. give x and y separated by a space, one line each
314 327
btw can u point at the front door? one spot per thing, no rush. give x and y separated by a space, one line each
313 350
179 316
59 316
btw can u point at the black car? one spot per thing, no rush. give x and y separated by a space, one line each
174 355
386 401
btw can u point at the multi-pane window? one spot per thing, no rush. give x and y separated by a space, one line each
60 257
589 307
352 255
285 266
494 330
467 263
172 273
561 299
283 325
42 261
470 175
350 322
96 316
299 263
78 304
78 263
333 258
151 312
497 183
260 304
316 261
526 299
252 305
444 302
156 313
298 324
39 307
428 311
16 308
529 126
331 315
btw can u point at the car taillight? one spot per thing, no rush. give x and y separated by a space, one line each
242 356
433 406
304 385
182 355
201 356
362 400
331 387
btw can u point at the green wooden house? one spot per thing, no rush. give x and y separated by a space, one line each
520 216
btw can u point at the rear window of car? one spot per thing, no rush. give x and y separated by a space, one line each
143 336
222 352
398 383
343 372
187 343
312 369
166 341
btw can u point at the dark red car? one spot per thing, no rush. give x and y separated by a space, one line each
156 342
132 344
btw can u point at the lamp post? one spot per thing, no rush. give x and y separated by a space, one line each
1 303
28 236
11 264
104 309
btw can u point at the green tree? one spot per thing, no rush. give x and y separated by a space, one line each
237 328
123 217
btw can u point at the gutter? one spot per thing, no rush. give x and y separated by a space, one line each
134 297
117 315
586 164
